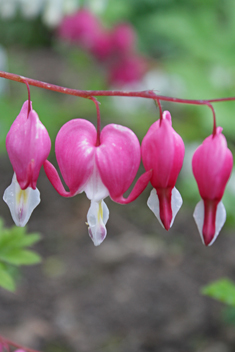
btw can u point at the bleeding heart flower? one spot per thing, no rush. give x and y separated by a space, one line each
80 28
85 29
163 152
28 145
100 170
128 70
123 39
212 165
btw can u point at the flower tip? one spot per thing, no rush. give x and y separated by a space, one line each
208 230
166 221
98 235
21 202
97 218
165 206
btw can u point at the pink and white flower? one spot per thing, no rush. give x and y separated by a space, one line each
99 169
212 165
163 152
28 145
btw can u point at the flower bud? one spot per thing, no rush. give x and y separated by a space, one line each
212 165
163 152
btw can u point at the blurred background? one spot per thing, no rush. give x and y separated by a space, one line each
140 290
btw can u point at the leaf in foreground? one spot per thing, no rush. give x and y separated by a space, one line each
222 290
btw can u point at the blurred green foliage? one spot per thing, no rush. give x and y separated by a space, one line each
222 290
14 252
29 33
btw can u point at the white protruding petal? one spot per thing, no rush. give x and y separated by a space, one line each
21 202
176 203
97 218
219 220
95 189
153 204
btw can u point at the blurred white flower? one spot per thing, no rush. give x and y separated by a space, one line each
71 6
221 77
97 6
52 10
8 8
161 82
31 8
55 10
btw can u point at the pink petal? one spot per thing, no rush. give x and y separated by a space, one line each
118 158
212 165
139 187
54 178
28 145
163 152
75 152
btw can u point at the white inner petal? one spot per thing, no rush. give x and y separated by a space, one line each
21 202
176 203
219 220
97 218
94 188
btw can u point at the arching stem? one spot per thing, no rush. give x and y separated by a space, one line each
29 98
214 119
158 103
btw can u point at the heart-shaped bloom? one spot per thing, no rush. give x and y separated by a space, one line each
163 152
28 145
212 165
107 169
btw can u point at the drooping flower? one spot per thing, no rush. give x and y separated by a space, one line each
100 169
28 145
85 29
128 70
123 39
163 152
212 165
80 28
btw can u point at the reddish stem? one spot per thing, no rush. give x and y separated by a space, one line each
29 99
157 102
98 120
214 119
13 344
148 94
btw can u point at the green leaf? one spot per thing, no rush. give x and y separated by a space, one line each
6 280
15 237
20 257
223 290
